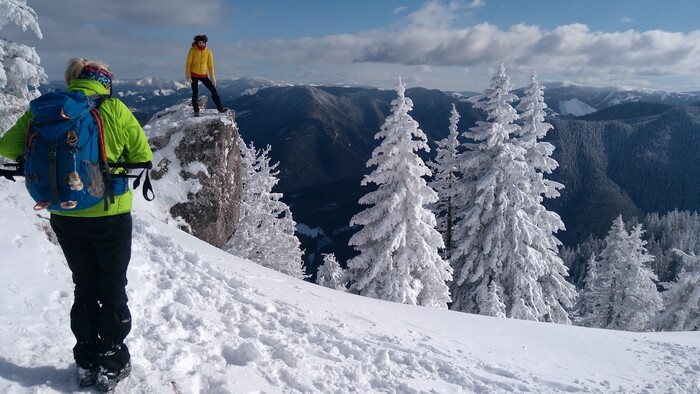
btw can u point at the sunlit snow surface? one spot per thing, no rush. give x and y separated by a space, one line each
207 322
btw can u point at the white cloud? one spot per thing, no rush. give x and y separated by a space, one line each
626 19
433 36
172 13
436 13
477 4
569 51
113 31
399 10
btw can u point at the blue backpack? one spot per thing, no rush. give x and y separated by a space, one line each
65 162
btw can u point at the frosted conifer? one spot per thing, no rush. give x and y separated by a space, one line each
444 177
331 274
538 153
590 313
682 298
398 244
266 229
628 296
557 292
504 243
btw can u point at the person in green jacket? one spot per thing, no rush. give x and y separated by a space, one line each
97 242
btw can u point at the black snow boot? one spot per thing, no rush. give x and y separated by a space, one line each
108 380
87 376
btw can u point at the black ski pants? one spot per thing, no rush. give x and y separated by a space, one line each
209 85
98 251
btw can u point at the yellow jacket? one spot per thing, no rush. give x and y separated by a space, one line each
198 60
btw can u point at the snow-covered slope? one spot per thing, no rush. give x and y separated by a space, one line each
208 322
575 107
571 98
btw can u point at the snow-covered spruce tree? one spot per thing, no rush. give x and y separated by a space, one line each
557 291
398 244
444 176
628 297
589 309
682 298
331 274
20 74
265 232
674 230
538 154
505 255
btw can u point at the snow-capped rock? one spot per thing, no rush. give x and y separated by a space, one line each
197 160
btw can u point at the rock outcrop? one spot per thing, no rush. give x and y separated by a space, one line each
197 171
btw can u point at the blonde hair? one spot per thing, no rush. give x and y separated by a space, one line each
75 67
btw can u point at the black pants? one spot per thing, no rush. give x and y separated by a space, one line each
98 251
209 85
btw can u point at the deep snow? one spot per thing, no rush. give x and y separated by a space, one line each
208 322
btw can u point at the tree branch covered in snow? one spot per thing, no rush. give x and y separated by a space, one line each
20 74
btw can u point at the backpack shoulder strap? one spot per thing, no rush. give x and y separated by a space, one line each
107 168
102 162
98 99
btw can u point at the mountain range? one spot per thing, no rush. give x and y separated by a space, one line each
620 150
570 99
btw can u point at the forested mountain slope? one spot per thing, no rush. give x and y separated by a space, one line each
323 136
628 167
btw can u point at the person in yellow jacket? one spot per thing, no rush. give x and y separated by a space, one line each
97 242
199 60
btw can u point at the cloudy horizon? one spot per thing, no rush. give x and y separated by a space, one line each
448 45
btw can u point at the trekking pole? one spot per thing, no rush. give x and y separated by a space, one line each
10 174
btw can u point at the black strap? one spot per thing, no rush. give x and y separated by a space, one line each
107 177
98 99
53 151
147 190
11 174
130 166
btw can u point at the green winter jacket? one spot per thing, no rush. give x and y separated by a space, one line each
124 141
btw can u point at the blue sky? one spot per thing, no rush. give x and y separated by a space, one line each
443 44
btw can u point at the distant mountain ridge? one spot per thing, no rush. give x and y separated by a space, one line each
560 96
150 95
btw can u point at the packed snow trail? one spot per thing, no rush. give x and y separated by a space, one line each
207 322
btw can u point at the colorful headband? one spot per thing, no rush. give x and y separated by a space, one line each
97 74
